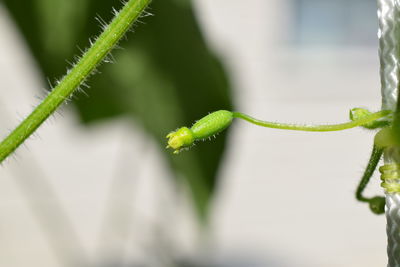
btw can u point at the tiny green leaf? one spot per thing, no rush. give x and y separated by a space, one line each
361 113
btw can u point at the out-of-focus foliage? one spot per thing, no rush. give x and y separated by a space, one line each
164 77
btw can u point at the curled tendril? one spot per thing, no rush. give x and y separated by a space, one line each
390 176
390 173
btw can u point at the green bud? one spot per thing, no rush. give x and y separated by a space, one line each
377 205
179 139
206 127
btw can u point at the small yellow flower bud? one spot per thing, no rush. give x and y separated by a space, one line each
183 137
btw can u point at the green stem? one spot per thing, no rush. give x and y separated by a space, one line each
314 128
369 171
67 86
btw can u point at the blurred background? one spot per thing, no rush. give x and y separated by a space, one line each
95 186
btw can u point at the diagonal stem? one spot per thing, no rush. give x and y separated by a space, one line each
76 76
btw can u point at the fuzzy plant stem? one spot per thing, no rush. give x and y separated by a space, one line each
313 128
389 32
111 35
369 171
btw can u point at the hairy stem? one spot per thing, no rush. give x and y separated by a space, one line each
69 84
314 128
369 171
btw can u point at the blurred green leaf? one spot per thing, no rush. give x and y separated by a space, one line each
164 77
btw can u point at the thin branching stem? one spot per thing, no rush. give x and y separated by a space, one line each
76 76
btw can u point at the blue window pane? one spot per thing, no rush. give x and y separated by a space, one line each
338 22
